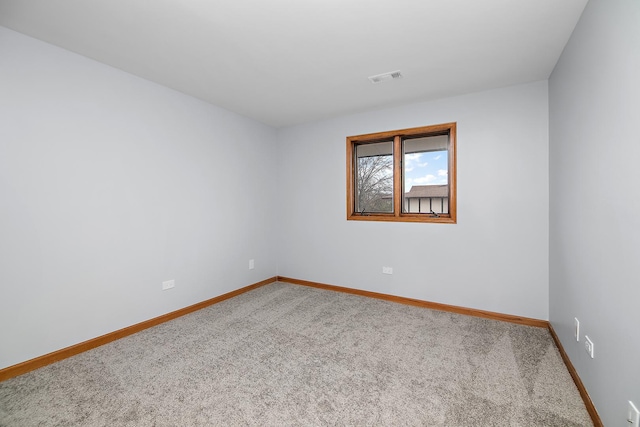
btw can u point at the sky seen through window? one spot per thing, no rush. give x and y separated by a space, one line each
426 168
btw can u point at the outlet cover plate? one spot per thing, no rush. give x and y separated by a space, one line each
387 270
588 346
633 418
576 332
168 284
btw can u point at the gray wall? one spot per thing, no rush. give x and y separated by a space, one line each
495 258
111 184
594 203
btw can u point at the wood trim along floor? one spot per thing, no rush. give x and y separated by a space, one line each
591 409
47 359
420 303
597 422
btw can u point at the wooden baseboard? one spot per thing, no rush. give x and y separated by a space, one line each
420 303
47 359
591 409
38 362
597 422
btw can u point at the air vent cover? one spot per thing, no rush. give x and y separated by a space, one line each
385 76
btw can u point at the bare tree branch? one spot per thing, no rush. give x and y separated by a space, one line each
375 183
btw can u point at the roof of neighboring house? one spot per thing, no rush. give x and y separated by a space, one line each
418 191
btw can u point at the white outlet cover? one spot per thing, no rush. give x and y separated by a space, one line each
387 270
251 264
168 284
633 417
588 346
576 332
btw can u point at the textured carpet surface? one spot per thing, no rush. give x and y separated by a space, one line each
292 355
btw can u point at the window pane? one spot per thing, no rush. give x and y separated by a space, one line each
374 177
425 175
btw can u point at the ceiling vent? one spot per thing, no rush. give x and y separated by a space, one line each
385 76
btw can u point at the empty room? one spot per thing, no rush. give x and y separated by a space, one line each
319 213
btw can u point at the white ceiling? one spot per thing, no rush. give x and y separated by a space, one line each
284 62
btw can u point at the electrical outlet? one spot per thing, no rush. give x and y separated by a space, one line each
168 284
576 331
251 264
387 270
633 417
588 346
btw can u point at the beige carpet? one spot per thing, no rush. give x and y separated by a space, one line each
291 355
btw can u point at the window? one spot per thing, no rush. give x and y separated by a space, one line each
404 175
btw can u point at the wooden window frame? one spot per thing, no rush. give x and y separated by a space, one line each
397 135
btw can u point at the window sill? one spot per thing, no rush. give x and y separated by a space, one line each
425 218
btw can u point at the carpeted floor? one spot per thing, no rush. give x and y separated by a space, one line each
285 355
